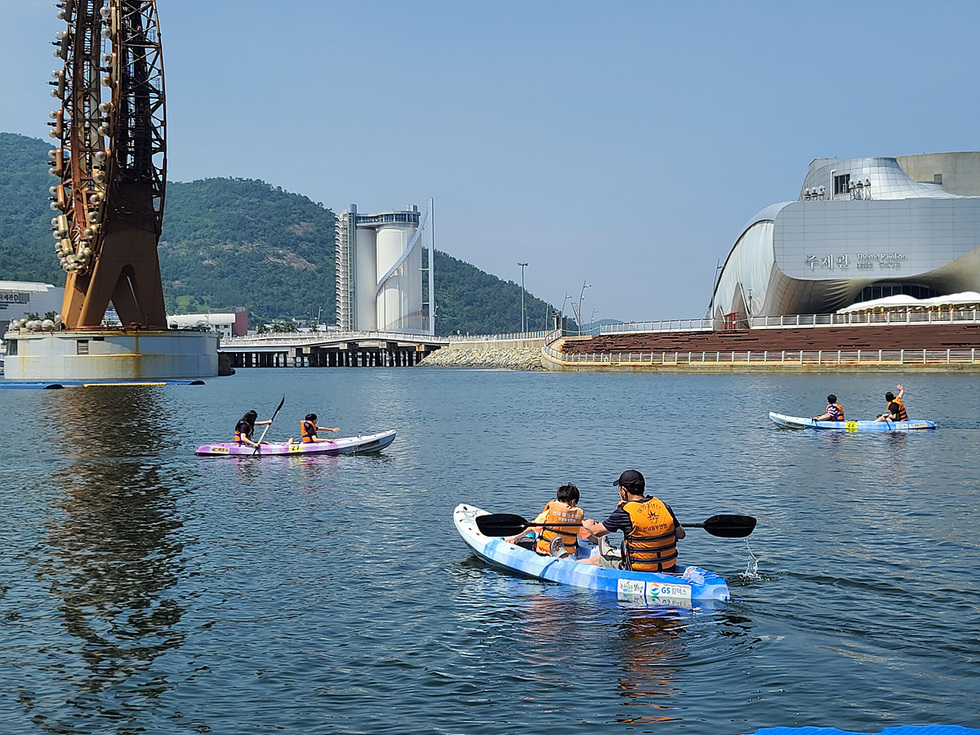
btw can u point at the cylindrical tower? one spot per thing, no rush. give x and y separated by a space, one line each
399 296
366 280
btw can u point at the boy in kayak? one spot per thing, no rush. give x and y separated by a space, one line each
896 408
308 429
563 509
835 412
245 426
650 530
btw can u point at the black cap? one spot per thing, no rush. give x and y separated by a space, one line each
631 480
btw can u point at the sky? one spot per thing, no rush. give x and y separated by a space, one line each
619 144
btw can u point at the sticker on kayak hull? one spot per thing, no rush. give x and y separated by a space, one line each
654 593
850 426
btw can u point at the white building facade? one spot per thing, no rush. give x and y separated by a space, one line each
861 229
18 299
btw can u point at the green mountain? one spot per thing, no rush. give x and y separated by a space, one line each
241 242
26 245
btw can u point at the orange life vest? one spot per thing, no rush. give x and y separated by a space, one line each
901 413
307 430
240 435
840 411
652 544
558 512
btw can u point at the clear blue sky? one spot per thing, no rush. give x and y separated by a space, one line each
620 143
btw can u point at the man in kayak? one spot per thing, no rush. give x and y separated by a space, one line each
835 412
308 428
650 530
245 426
564 510
896 408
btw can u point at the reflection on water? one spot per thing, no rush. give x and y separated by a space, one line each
114 541
651 649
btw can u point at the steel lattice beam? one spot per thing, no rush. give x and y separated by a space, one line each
111 162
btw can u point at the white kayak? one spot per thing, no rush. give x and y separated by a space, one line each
695 588
796 422
360 444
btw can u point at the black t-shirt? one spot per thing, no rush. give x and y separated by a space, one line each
244 428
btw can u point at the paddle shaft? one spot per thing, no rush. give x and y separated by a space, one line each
506 524
268 425
549 525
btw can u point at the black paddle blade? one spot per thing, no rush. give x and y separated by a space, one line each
283 401
729 526
501 524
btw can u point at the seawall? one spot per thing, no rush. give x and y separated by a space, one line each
506 354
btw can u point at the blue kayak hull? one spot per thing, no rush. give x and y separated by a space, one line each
796 422
696 588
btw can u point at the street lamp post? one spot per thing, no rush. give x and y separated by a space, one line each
523 312
581 296
567 297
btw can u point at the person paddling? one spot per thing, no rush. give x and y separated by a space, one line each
834 412
650 530
308 429
246 426
562 510
896 407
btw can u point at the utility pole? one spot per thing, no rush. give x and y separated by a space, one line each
523 312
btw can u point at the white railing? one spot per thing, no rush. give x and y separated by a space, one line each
663 325
897 317
303 339
770 357
496 337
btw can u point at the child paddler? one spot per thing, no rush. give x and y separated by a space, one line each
563 509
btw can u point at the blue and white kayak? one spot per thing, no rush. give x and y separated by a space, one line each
696 588
360 444
796 422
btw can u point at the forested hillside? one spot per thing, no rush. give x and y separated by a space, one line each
241 242
26 245
238 242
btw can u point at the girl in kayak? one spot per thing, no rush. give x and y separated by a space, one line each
308 429
835 412
245 427
563 509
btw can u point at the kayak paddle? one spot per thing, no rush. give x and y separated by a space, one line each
508 524
269 424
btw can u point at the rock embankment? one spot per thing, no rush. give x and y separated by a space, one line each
485 356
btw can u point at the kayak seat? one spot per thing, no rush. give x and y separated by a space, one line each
526 543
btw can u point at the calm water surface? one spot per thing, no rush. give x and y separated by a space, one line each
146 590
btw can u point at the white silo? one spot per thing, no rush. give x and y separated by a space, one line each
399 287
366 275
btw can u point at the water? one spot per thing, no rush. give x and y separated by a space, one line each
146 590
